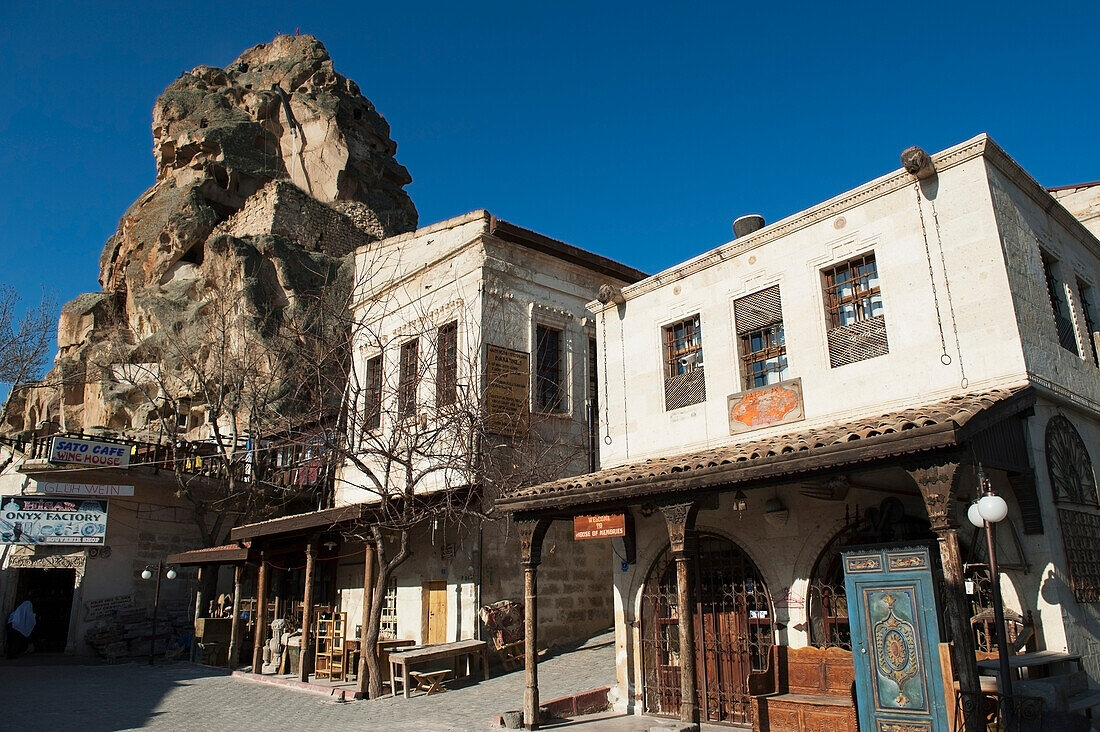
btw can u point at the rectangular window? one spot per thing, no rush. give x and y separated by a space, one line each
372 394
759 322
446 364
684 382
1059 305
1090 318
549 376
853 309
593 377
408 380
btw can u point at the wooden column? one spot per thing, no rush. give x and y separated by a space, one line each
680 518
200 578
259 625
362 683
936 483
235 623
531 534
307 610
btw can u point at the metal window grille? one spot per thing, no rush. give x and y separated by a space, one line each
853 307
684 381
372 394
408 380
1090 319
388 621
549 384
446 364
759 322
1081 537
1067 338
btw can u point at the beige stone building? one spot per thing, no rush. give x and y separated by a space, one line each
472 373
834 379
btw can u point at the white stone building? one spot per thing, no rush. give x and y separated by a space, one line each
472 350
835 378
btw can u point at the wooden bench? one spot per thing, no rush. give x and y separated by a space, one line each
804 689
431 681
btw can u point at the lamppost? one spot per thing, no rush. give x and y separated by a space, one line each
147 574
986 511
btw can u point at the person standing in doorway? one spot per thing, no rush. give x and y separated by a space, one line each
20 626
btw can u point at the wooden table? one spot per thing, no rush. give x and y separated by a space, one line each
465 650
1037 665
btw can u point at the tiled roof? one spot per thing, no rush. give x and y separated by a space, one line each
713 466
225 554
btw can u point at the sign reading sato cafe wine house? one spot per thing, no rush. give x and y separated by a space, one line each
78 451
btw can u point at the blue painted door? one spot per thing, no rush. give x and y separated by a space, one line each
895 639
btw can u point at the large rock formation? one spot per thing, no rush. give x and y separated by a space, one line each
269 173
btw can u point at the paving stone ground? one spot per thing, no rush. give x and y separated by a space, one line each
62 694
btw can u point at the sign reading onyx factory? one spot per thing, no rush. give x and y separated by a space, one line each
26 520
92 453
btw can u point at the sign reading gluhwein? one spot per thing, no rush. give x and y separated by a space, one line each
77 450
604 526
80 489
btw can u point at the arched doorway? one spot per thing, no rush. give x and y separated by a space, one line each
827 609
734 631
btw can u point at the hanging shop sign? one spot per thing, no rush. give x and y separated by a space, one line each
80 489
603 526
93 453
32 520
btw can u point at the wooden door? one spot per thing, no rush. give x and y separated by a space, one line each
434 602
895 639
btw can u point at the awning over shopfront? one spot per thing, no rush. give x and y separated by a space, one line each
225 554
946 424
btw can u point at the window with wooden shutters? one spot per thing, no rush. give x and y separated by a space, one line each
549 374
759 322
684 381
372 394
1067 338
1090 318
446 364
408 380
853 307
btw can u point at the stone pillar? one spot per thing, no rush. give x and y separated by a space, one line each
362 683
531 534
235 623
680 518
259 624
936 482
307 610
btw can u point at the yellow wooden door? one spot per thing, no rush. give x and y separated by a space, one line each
435 611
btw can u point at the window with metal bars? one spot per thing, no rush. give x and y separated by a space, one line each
684 381
372 394
446 364
759 322
1067 338
853 308
1090 319
408 379
549 374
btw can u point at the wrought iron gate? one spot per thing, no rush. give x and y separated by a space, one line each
733 631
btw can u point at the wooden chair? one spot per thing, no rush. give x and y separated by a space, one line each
805 689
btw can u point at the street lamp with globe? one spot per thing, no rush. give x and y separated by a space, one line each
988 510
148 573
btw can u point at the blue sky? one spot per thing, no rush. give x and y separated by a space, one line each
639 130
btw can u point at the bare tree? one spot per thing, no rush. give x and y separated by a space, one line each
424 435
223 390
25 342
